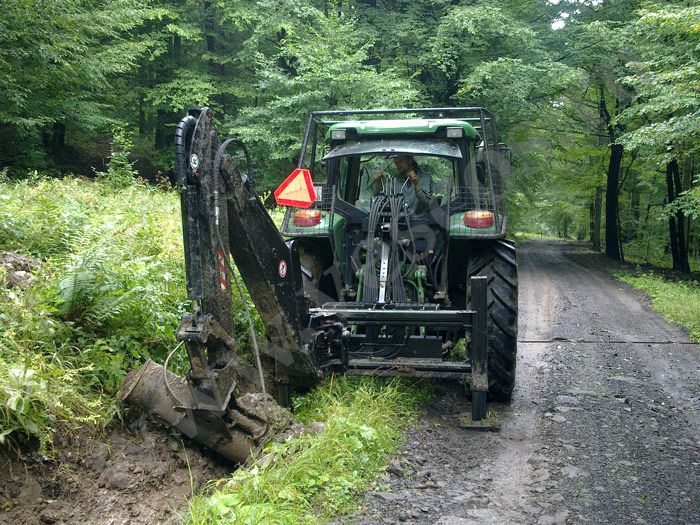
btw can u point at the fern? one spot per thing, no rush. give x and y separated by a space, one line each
93 290
110 307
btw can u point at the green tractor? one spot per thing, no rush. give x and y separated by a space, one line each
409 207
391 261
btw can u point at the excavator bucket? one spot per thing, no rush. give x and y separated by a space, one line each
156 391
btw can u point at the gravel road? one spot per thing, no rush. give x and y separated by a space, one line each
604 426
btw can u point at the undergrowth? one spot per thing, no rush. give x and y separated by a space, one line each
677 301
314 477
107 293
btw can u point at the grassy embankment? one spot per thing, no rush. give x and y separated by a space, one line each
678 301
106 292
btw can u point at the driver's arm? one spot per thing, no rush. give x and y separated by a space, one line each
377 186
423 185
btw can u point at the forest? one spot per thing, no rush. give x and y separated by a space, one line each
598 100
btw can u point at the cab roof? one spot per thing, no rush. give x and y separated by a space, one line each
402 127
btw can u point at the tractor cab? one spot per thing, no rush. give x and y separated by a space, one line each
396 194
369 159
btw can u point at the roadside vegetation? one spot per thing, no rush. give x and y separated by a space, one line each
316 476
105 292
677 300
91 285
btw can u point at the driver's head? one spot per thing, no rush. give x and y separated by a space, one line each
403 162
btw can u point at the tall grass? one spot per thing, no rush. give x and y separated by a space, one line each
315 477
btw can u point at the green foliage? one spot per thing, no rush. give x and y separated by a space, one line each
120 170
666 116
38 396
78 326
109 293
58 59
313 477
315 66
677 301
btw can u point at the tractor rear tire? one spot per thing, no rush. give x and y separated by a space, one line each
497 261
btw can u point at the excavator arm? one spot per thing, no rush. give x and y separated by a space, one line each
220 210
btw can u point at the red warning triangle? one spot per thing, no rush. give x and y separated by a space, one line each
296 190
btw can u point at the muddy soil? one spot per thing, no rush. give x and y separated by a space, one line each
604 426
138 474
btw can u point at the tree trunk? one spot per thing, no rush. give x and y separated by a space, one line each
595 235
672 230
612 225
679 248
612 229
58 139
634 210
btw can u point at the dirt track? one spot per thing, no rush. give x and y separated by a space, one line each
604 426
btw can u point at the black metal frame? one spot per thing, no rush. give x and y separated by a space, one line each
473 322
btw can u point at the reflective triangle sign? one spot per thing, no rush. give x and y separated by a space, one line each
296 190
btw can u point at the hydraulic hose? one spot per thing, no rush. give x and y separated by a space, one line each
183 134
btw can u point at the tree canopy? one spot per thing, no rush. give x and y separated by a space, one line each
599 99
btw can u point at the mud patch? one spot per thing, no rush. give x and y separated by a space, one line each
139 475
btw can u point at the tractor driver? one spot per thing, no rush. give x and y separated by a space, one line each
409 180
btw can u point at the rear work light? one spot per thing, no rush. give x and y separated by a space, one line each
338 134
454 133
478 219
306 218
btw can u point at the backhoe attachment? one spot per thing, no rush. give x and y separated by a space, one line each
220 403
223 401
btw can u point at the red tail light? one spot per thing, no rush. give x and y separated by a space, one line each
306 218
478 219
